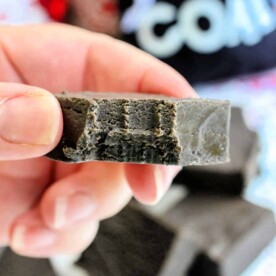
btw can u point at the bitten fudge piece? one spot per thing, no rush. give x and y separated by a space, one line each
232 177
142 128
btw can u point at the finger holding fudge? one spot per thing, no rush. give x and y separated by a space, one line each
37 240
75 60
30 121
79 60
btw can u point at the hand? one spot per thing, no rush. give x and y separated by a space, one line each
48 207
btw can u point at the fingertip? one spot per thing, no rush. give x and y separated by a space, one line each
52 207
28 234
30 121
89 193
32 239
167 81
71 209
149 183
35 239
66 203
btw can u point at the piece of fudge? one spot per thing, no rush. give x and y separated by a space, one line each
142 128
232 177
134 243
199 236
230 232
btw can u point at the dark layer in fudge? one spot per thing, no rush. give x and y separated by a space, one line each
142 128
229 178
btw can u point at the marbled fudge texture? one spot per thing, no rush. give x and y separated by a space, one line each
142 128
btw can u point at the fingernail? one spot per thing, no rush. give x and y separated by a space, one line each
26 238
70 209
29 119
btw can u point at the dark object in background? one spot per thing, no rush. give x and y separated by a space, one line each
202 235
232 177
203 41
134 243
230 232
143 128
131 244
12 264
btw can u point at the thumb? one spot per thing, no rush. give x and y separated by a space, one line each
30 121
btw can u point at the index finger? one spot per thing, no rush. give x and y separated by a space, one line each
58 57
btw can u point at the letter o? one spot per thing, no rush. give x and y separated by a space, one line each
167 45
202 41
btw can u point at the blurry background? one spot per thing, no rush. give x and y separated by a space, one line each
226 49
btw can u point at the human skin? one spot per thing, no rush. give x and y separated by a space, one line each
47 207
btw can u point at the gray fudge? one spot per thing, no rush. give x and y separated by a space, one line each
142 128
